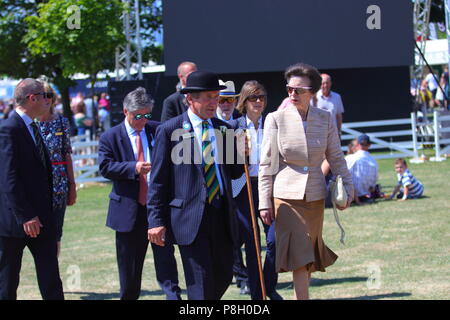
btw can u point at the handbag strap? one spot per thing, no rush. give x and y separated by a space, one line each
336 217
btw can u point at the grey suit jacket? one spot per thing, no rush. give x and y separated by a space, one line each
291 156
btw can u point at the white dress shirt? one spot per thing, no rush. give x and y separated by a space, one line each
256 141
196 122
219 116
132 136
28 121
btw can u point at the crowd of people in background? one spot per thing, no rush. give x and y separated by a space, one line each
432 93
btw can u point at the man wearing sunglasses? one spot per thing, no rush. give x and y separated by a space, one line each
125 154
228 99
26 217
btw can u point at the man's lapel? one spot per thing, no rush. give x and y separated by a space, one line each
150 137
189 133
29 140
126 143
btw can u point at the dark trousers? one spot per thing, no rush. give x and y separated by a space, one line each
239 269
247 238
208 261
166 269
131 248
43 250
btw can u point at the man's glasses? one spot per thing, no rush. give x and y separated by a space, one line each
297 90
254 98
139 116
45 95
227 99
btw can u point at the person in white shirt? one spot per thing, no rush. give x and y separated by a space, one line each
252 102
329 100
432 84
364 170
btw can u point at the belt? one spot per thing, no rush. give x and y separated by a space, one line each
60 162
253 178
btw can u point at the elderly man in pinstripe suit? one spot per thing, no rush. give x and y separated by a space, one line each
192 200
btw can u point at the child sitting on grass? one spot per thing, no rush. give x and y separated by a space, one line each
408 185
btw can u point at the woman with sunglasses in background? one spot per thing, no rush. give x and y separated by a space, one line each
252 102
292 187
56 133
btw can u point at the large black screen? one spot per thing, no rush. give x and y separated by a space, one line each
236 36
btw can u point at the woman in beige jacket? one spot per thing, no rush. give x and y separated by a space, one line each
292 187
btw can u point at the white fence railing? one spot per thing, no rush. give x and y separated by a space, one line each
405 148
441 124
85 158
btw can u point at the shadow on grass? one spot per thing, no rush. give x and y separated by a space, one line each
322 282
379 296
115 295
327 282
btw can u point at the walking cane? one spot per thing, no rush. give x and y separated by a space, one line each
254 223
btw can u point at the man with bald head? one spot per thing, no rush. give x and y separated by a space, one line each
26 217
176 103
330 101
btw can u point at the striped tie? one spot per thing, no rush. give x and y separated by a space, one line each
209 167
39 143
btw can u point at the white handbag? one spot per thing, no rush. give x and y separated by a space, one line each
338 197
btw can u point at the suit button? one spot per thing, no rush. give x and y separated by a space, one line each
305 169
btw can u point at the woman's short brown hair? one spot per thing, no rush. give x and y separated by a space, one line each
305 70
249 88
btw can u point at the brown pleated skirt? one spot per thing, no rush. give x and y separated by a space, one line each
298 234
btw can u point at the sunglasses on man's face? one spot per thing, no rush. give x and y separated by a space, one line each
297 90
227 99
45 95
139 116
254 98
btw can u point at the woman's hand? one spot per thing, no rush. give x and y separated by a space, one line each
349 202
267 216
72 196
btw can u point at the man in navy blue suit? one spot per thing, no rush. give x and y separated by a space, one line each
191 199
125 153
26 217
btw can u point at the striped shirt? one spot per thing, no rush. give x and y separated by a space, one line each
415 187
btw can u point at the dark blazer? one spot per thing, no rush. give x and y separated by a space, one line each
241 122
25 183
117 163
177 192
173 106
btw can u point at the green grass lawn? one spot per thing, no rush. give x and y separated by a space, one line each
393 250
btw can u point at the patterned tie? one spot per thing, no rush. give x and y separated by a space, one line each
39 143
143 186
209 167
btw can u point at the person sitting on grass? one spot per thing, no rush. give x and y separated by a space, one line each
408 185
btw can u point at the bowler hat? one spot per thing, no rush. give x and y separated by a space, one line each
202 81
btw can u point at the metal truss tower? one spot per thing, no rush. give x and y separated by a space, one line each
421 21
132 50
